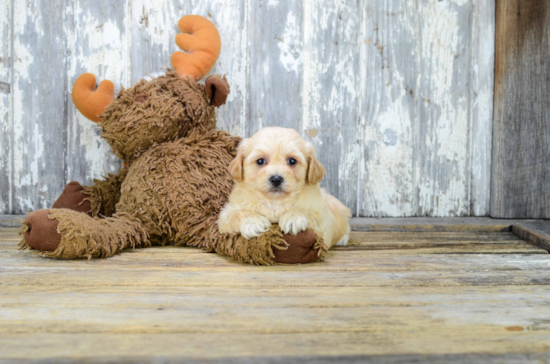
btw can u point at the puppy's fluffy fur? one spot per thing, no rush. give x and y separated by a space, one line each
277 181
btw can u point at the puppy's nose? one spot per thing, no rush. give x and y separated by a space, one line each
276 180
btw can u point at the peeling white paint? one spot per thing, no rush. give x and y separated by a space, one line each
291 52
377 87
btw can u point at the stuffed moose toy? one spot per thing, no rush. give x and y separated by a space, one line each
175 178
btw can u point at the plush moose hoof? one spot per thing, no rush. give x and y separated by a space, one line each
72 198
42 232
300 249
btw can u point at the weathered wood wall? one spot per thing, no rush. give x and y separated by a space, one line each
521 147
395 94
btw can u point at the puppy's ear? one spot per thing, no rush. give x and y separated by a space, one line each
315 170
236 166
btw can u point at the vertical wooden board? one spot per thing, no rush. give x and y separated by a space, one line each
154 26
330 92
482 73
443 97
520 185
275 34
388 92
97 43
39 91
5 101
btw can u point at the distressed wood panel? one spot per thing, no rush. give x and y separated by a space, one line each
481 105
418 119
394 94
39 111
276 68
329 97
97 43
5 104
521 138
388 111
442 134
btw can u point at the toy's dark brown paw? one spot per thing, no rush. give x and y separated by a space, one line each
301 249
72 198
41 233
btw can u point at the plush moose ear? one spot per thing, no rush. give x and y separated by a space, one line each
315 170
236 166
217 89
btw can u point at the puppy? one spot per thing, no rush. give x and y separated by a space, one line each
277 181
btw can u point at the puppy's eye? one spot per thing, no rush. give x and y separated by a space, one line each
260 162
292 161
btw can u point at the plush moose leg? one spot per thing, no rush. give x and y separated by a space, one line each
273 247
68 234
99 199
269 248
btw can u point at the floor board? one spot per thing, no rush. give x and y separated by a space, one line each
389 297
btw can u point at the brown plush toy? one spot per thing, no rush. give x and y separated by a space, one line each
175 180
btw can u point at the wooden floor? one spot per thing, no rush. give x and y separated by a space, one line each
389 297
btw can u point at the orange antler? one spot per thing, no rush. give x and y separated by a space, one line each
89 101
202 43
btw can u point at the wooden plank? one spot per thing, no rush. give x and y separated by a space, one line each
276 44
482 81
419 224
330 101
441 243
97 43
423 120
204 348
443 96
365 269
153 28
536 233
462 242
236 311
39 104
7 221
521 137
185 260
6 18
388 109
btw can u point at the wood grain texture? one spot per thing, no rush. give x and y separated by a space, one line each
168 303
424 136
521 137
442 243
481 104
425 224
389 76
395 94
39 104
536 233
330 102
5 104
276 56
97 43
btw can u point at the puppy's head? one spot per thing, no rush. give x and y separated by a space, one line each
276 161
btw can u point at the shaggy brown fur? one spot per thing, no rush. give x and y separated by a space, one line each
175 186
104 194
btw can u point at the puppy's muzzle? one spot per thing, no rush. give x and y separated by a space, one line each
276 181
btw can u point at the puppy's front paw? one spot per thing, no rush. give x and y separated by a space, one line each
293 223
253 226
344 241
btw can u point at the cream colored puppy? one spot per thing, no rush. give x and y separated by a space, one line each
277 181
